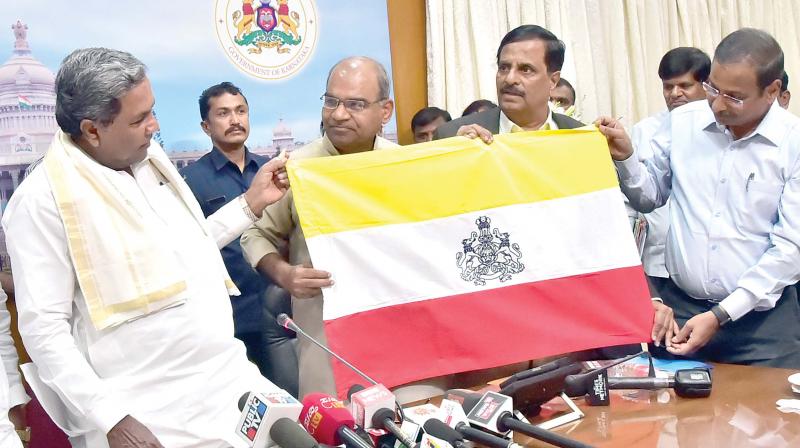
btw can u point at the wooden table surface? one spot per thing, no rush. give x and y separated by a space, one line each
740 412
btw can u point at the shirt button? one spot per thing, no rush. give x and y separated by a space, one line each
723 180
714 247
717 214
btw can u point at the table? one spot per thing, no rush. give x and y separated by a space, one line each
740 412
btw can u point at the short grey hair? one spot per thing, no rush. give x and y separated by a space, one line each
384 84
90 83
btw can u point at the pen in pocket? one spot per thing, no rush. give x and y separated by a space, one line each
749 179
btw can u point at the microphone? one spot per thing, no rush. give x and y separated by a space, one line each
286 322
288 434
688 383
381 392
544 368
373 407
329 422
260 411
595 382
436 428
440 430
530 393
493 412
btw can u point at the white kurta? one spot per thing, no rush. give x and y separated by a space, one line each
11 391
179 371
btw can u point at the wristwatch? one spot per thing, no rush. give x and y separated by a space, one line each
722 316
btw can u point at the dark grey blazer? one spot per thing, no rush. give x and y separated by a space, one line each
490 119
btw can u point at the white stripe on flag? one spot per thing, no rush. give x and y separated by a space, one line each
389 265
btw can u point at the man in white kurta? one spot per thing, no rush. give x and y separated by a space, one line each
176 372
11 391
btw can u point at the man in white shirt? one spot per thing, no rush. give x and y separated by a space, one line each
12 393
731 166
162 368
683 71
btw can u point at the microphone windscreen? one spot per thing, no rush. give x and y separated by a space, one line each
243 400
283 320
287 433
467 398
354 389
380 415
440 430
323 415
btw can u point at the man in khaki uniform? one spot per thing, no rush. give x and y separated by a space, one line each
355 107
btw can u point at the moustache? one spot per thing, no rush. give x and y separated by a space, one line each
512 91
235 128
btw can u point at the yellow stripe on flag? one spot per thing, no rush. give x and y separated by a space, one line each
445 178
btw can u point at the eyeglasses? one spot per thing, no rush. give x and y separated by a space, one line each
714 93
331 102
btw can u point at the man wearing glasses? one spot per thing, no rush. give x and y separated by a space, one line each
355 107
732 168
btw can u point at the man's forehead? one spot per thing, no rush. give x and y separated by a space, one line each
740 75
357 83
438 121
525 51
686 77
561 91
226 100
138 100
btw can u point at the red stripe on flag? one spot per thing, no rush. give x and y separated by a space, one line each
404 343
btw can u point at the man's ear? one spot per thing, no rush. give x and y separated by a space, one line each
387 109
204 127
554 78
89 133
774 90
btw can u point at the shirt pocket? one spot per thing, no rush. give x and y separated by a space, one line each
214 204
106 356
760 208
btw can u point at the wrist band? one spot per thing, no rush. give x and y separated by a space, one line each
246 209
722 316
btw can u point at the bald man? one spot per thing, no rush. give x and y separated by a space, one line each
355 106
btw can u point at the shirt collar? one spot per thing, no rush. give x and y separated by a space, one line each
506 124
772 126
378 143
219 160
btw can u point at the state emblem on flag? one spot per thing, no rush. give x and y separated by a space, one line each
488 255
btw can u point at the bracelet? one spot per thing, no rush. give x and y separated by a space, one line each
246 209
722 316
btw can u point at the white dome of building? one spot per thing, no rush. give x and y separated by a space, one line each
27 103
282 137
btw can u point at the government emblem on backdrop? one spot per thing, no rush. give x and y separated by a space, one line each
268 39
488 255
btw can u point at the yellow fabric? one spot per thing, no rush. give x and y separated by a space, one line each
356 197
122 261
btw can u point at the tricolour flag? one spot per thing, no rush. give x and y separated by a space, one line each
24 102
454 256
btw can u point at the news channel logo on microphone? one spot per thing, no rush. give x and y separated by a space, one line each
254 416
